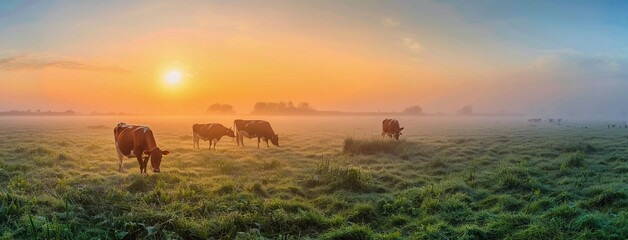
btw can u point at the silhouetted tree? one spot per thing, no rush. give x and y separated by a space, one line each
416 109
466 110
281 108
218 108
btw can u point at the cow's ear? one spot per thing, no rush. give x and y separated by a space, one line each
401 129
147 152
165 152
276 135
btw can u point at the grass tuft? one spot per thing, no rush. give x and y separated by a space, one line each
375 146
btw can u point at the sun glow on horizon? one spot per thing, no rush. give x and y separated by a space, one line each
173 77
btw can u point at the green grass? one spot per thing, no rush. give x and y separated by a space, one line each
451 180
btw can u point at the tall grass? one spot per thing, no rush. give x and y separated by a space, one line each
375 146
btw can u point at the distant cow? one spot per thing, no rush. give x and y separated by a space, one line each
390 128
255 128
137 142
211 132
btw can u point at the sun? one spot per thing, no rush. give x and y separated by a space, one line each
173 77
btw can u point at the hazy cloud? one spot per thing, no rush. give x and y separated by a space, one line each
412 44
390 22
583 66
42 61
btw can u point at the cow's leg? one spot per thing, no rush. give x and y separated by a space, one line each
267 143
120 157
210 144
139 160
237 138
215 144
242 140
258 141
383 134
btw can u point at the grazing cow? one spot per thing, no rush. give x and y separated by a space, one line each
211 132
136 142
239 124
390 128
255 128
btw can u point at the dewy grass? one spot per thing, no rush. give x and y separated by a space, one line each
439 182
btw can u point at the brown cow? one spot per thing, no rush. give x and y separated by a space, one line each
211 132
239 124
137 141
390 128
255 128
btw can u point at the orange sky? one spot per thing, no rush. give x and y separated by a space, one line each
336 56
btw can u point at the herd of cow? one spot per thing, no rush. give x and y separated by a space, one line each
551 120
135 141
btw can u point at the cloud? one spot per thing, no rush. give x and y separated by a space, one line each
412 44
42 61
390 22
576 65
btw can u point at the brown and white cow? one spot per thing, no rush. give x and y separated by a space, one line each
237 125
136 142
255 128
211 132
390 128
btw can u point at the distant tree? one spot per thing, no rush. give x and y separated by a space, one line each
466 110
281 108
218 108
415 110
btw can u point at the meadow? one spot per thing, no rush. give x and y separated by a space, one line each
331 178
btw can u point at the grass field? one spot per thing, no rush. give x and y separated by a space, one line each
332 178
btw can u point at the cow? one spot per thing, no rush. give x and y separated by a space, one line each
239 124
390 128
255 128
136 142
211 132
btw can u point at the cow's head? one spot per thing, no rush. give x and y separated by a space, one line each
275 140
155 158
230 133
398 133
